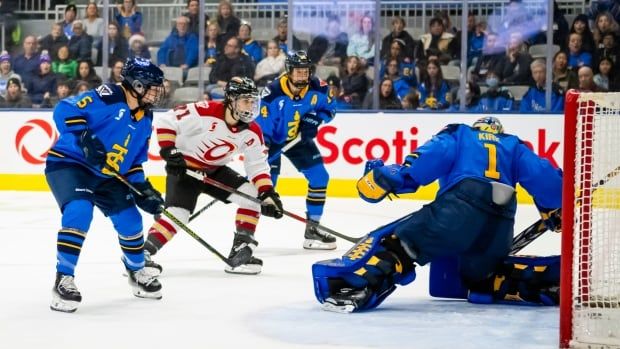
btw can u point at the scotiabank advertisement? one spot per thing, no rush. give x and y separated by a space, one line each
346 143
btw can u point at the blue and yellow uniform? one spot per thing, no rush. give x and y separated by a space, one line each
282 116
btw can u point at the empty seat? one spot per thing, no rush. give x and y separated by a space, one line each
451 72
186 95
324 71
174 74
540 51
192 75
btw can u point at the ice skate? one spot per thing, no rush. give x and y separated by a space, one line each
241 256
316 239
151 267
143 284
347 300
65 295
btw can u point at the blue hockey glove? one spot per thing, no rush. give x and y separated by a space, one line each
150 201
175 163
94 150
271 205
372 164
309 126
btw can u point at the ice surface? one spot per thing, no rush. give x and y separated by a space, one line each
203 307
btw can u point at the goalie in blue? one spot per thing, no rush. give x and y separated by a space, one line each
471 219
103 131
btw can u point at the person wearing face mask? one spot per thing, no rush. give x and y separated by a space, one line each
496 98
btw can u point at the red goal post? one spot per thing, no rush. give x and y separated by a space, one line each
590 279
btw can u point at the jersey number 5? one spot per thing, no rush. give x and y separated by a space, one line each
491 171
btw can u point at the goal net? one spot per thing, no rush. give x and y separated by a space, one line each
590 288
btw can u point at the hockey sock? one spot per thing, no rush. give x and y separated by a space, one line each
76 218
246 220
315 202
133 250
163 230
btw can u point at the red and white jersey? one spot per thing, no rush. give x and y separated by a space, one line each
200 132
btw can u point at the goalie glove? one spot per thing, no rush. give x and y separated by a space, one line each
378 183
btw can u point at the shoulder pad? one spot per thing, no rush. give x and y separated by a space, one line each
318 85
450 128
110 93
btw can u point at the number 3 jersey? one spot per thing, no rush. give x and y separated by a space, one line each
200 132
460 151
105 112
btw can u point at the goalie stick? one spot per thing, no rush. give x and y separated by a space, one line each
232 190
535 230
276 155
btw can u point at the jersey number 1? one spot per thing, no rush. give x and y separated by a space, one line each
491 171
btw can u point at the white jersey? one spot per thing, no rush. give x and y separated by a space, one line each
200 133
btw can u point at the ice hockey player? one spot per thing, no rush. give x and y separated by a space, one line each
472 218
102 131
294 105
204 137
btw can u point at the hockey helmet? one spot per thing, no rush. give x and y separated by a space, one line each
298 59
241 95
139 75
489 124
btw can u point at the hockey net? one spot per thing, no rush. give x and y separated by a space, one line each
590 286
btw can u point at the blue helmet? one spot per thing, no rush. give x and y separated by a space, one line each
489 124
298 59
139 75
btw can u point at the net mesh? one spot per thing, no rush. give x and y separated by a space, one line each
596 255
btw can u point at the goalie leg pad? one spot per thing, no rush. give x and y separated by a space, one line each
524 280
376 264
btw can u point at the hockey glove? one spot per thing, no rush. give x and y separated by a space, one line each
552 218
150 201
94 150
175 163
309 126
271 205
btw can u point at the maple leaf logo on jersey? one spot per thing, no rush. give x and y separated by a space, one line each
217 150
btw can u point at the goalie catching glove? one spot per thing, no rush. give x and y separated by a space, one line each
271 205
379 181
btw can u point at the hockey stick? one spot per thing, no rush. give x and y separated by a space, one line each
232 190
535 230
276 155
175 220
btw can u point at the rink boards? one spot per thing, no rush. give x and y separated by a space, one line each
346 143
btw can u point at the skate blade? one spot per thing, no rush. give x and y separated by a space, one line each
140 293
310 244
245 269
342 309
59 304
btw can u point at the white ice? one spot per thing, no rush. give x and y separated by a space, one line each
203 307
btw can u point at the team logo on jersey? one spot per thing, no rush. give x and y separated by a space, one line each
281 104
314 100
121 112
104 90
216 151
266 92
29 136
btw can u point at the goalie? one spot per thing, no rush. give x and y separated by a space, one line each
471 220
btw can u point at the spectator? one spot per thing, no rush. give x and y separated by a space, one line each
406 69
214 43
231 63
413 49
193 12
387 96
27 63
115 72
63 90
581 26
67 22
117 45
93 23
611 6
492 59
43 85
15 97
80 87
496 98
586 80
335 90
80 44
282 36
64 64
138 48
560 29
400 83
271 66
128 17
6 73
54 40
362 43
411 101
250 47
433 88
472 99
534 99
604 23
354 82
86 72
437 38
604 80
517 62
329 48
577 57
180 49
564 77
227 21
608 48
475 40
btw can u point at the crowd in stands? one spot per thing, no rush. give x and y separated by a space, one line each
415 73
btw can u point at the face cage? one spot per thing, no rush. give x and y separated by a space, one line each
246 116
142 92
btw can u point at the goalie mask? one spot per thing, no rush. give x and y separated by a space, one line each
144 80
241 96
299 68
489 124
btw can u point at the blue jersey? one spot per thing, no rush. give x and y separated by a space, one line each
460 151
281 111
105 112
